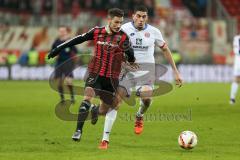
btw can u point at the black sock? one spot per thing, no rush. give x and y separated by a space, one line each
71 91
83 114
60 90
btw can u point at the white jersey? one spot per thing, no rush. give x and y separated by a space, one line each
144 41
236 45
236 49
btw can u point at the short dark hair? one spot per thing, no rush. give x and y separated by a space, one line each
141 8
66 27
115 12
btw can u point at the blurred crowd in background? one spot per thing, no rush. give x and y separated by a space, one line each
28 28
71 6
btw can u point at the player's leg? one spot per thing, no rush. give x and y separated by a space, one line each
110 118
234 89
110 108
236 73
111 115
69 83
145 93
106 94
60 88
58 76
91 86
83 112
68 68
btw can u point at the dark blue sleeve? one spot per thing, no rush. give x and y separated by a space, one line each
74 50
77 40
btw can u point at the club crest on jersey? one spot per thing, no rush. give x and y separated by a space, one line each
132 34
147 34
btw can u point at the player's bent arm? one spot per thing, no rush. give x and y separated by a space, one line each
168 55
74 41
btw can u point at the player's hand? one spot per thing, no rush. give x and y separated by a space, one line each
133 67
178 79
53 53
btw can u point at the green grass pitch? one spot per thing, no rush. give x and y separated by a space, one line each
29 128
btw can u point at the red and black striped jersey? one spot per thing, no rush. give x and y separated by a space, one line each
109 49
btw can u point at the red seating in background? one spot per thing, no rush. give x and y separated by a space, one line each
42 57
177 3
233 8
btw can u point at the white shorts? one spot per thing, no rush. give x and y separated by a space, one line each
133 85
130 82
236 67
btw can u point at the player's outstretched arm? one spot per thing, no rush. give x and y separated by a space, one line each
167 53
72 42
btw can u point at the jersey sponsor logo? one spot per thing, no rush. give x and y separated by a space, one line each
138 41
100 36
140 47
132 34
147 34
108 44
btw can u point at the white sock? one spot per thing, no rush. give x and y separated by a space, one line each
109 120
234 89
139 112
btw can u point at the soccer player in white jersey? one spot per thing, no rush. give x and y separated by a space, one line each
236 69
144 38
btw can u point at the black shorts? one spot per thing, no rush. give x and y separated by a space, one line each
64 70
104 87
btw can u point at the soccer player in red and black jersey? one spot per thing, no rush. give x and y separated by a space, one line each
111 48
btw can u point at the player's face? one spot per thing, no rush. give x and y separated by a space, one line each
140 18
115 23
63 33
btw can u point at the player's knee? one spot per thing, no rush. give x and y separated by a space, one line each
116 107
69 81
117 100
89 93
145 91
102 110
88 98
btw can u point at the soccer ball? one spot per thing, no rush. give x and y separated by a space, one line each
187 140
